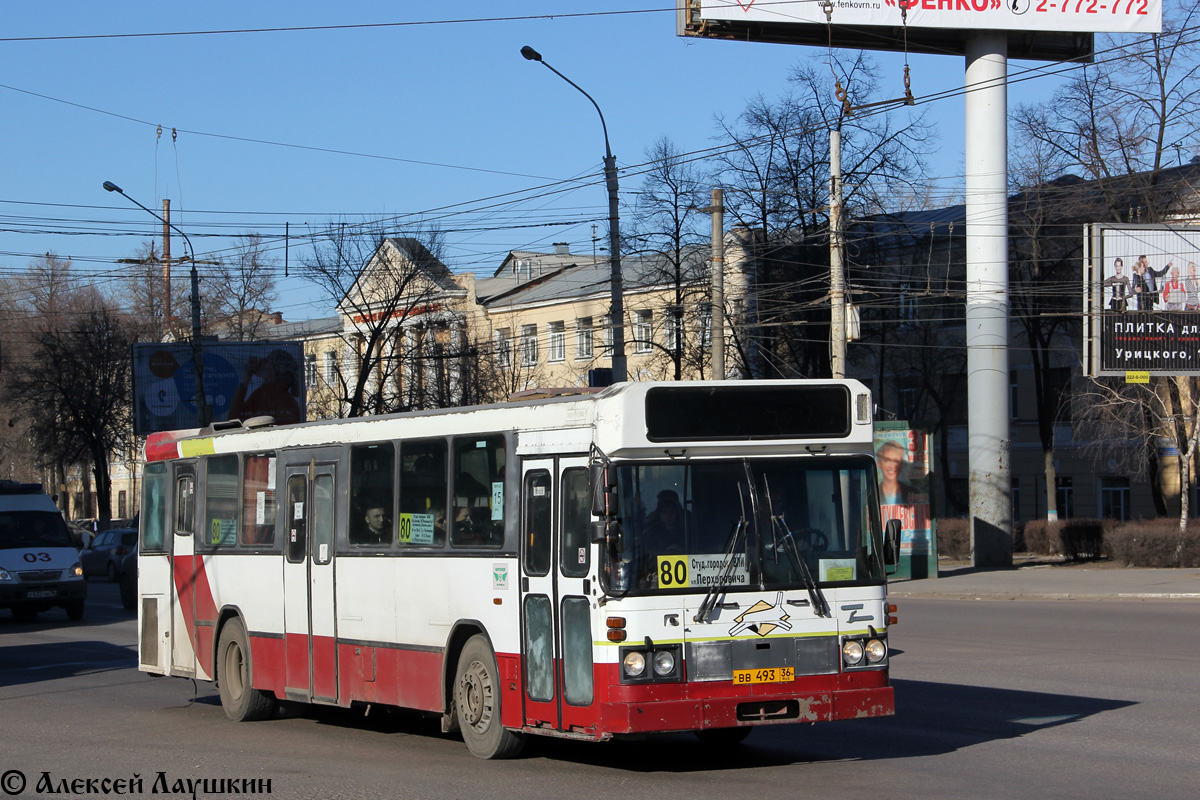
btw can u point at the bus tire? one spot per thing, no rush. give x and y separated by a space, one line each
235 675
477 703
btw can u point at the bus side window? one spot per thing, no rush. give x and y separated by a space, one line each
479 470
185 504
220 501
372 482
297 517
258 500
536 530
575 498
155 486
422 519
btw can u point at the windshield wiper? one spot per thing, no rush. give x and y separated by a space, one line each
815 596
709 604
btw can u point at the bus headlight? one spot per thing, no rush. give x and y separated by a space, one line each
876 651
664 662
634 664
852 652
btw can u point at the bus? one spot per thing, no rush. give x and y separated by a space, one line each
653 557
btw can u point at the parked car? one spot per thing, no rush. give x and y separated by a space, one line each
106 551
127 575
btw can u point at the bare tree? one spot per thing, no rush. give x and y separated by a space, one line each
242 289
76 390
404 343
776 170
671 249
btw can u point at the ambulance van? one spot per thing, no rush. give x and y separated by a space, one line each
39 565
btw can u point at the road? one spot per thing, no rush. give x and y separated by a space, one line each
995 699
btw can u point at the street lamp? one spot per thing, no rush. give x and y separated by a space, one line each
202 407
614 229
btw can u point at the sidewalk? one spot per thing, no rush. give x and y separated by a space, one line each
1041 581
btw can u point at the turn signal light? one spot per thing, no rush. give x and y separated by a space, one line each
891 617
615 622
616 636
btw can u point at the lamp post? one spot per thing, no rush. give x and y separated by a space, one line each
614 229
202 407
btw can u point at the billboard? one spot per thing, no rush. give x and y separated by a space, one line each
902 458
1048 30
241 380
1142 301
1058 16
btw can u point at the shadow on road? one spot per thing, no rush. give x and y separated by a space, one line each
931 719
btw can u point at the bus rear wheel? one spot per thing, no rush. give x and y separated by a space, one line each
477 703
241 701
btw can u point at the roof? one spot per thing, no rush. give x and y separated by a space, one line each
305 329
567 276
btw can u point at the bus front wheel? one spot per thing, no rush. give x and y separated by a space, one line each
241 701
477 703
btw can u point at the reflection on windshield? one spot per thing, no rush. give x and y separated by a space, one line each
690 526
33 529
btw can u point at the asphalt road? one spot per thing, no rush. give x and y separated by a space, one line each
995 699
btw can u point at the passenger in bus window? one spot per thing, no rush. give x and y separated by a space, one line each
376 529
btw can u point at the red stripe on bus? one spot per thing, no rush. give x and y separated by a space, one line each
196 603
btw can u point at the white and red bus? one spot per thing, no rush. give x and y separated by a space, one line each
702 556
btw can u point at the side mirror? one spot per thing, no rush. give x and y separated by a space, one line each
891 543
604 490
599 532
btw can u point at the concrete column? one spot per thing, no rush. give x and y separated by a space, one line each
987 299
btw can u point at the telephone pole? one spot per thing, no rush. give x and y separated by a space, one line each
837 295
717 209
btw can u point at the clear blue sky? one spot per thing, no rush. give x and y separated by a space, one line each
426 119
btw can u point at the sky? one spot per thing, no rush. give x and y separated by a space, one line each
422 111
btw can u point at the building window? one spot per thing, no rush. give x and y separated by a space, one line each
908 303
329 362
1059 379
310 369
608 332
503 347
1065 497
642 331
1114 498
557 348
705 326
583 337
674 332
529 346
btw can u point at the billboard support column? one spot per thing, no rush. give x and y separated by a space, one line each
987 298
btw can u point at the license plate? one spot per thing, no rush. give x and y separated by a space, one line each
765 675
42 593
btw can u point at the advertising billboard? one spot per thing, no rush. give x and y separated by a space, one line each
1047 30
1062 16
1142 301
902 456
241 380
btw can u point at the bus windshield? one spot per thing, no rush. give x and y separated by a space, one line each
745 524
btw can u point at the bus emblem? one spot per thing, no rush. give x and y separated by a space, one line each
762 618
499 576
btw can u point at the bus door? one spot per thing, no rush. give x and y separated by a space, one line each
310 632
184 566
557 576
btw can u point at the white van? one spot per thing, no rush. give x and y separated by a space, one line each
39 565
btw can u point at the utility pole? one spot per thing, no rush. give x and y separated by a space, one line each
837 295
717 209
166 259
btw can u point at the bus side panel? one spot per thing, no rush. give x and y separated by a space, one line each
251 585
395 616
266 653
